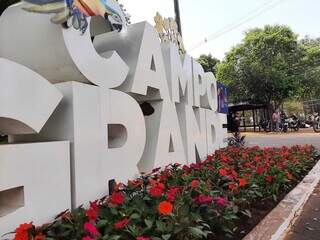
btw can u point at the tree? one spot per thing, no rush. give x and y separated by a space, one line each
309 69
6 3
261 69
208 63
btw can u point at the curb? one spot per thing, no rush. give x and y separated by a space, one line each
277 223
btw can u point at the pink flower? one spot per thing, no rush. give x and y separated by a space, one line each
142 238
221 201
87 238
91 229
203 199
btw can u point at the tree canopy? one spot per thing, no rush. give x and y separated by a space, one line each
271 65
309 69
263 68
208 62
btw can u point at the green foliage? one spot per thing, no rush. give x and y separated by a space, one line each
205 200
309 69
208 63
263 68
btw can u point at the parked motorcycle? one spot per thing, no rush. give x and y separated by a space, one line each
265 125
284 125
293 123
236 140
316 123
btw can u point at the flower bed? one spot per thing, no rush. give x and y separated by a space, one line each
222 197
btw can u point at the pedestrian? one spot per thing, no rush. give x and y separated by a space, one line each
276 119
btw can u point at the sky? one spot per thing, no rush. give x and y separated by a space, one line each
204 18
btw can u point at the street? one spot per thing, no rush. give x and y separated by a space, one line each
283 139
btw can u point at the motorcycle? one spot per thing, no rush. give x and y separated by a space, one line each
265 125
316 123
236 140
293 123
284 125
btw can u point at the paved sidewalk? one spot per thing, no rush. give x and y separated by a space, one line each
307 226
285 139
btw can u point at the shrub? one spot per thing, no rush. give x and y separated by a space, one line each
201 201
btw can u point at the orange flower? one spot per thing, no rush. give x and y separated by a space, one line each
242 182
165 208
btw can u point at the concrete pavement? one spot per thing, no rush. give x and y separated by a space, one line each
282 139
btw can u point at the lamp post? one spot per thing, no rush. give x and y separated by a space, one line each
177 13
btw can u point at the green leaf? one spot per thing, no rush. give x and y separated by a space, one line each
247 213
135 216
161 226
149 223
196 232
166 237
102 223
117 237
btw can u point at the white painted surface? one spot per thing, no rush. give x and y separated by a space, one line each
26 99
59 55
199 84
194 132
122 161
43 169
140 47
82 118
162 125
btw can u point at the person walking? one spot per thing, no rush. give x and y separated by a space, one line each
276 119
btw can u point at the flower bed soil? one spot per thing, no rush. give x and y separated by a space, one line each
223 197
259 211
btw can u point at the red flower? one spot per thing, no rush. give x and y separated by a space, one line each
172 193
121 224
203 199
233 186
242 182
256 158
195 166
195 184
156 192
260 170
165 208
135 183
91 229
157 189
209 158
142 238
117 198
269 179
93 212
22 232
223 172
225 158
